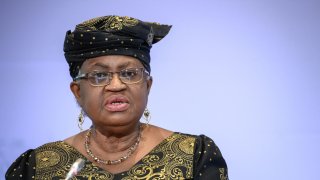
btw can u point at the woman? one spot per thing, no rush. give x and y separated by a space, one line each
109 60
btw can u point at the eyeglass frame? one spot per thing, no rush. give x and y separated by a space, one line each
86 76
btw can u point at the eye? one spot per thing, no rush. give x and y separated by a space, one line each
129 73
100 75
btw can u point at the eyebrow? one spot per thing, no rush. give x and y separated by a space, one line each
106 66
101 65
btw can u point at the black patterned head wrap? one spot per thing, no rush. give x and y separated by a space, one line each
112 35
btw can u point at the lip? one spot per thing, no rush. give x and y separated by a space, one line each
116 103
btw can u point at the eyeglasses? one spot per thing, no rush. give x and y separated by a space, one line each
103 78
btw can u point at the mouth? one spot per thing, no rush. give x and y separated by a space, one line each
117 103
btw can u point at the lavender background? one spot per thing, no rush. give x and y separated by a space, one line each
246 73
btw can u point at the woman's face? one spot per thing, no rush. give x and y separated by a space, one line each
117 103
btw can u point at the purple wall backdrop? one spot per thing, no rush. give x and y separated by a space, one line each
246 73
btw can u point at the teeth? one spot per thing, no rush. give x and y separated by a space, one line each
115 103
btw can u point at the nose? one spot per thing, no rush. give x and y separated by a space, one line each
115 83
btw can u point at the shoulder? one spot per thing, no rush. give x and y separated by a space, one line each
50 145
208 160
207 151
43 162
50 150
202 142
54 154
25 165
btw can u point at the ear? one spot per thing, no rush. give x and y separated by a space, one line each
149 83
75 89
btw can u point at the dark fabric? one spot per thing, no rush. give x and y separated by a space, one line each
208 161
112 35
23 167
180 156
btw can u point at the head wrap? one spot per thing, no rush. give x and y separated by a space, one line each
112 35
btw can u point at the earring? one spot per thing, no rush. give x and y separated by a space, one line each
147 116
80 119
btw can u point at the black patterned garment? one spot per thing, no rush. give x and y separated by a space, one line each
180 156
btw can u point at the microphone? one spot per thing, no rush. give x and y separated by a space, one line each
75 168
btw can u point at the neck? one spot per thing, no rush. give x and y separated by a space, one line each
114 139
117 131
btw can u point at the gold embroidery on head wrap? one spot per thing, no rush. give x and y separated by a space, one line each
108 23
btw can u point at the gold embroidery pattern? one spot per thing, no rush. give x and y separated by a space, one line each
55 160
222 174
51 162
171 159
187 146
108 23
47 159
90 171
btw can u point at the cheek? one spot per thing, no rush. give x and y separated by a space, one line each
140 99
90 98
141 96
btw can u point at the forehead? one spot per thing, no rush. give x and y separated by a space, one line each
111 62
